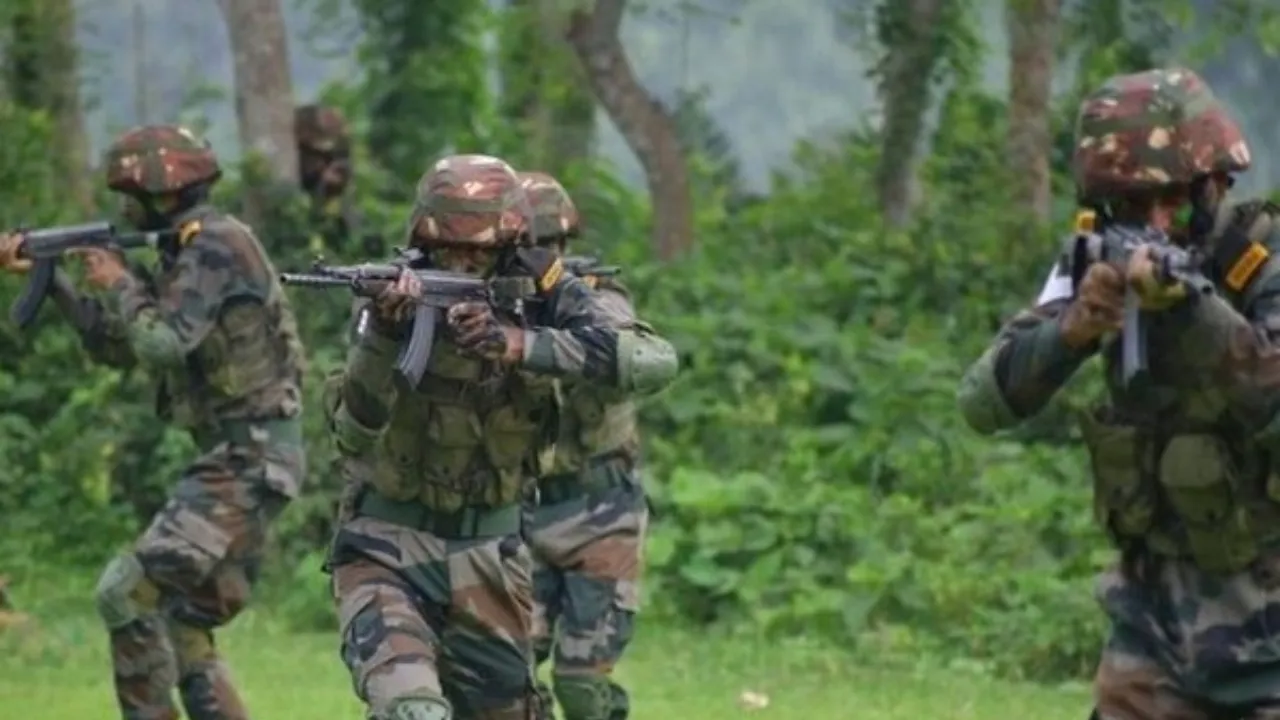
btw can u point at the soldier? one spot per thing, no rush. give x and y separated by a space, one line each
215 329
1185 481
429 562
587 532
325 173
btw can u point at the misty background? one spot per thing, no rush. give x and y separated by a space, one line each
775 72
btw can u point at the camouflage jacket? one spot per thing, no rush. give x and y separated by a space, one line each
597 435
1182 467
469 433
212 323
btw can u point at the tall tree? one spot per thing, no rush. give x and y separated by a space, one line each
650 131
42 66
544 94
1033 37
426 77
264 85
912 35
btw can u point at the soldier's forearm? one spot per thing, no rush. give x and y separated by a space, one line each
1245 353
629 361
1018 375
102 335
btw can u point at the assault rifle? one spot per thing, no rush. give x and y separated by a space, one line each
440 290
44 246
1174 265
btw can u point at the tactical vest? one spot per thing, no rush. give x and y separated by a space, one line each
466 436
1173 473
589 424
249 367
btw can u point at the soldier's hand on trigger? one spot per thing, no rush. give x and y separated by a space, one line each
1098 307
479 333
396 302
1141 274
10 244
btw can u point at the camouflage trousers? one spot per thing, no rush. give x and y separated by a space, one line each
588 552
435 627
191 571
1186 645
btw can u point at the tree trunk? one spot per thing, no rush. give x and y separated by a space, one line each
911 40
264 87
1033 29
43 62
648 129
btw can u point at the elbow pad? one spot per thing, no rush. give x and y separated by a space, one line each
981 402
646 362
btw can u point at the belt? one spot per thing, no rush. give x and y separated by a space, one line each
272 431
563 487
465 524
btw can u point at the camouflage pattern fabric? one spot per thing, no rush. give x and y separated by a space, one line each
428 617
430 566
201 556
159 158
320 127
588 557
1193 597
471 200
215 325
212 325
554 213
1152 129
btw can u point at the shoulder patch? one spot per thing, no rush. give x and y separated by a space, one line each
188 232
551 276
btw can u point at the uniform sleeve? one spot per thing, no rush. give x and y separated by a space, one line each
102 334
595 338
1244 348
163 329
364 392
1023 368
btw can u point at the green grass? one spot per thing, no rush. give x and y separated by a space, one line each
57 670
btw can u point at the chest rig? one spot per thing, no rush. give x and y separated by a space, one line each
1174 473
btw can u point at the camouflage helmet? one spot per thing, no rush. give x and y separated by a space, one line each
554 214
1149 130
157 159
321 128
469 199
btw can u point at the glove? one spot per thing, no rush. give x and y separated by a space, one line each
1097 309
1141 275
395 303
479 333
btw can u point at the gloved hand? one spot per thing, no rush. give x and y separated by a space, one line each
1142 277
479 333
1097 309
396 302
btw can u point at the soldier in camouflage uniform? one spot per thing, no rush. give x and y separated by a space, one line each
1185 477
214 327
325 172
587 531
432 578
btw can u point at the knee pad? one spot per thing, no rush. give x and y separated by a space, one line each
583 697
124 593
418 708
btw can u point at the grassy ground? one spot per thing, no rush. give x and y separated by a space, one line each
58 671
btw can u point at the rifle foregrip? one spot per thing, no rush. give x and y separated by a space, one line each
416 352
39 285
